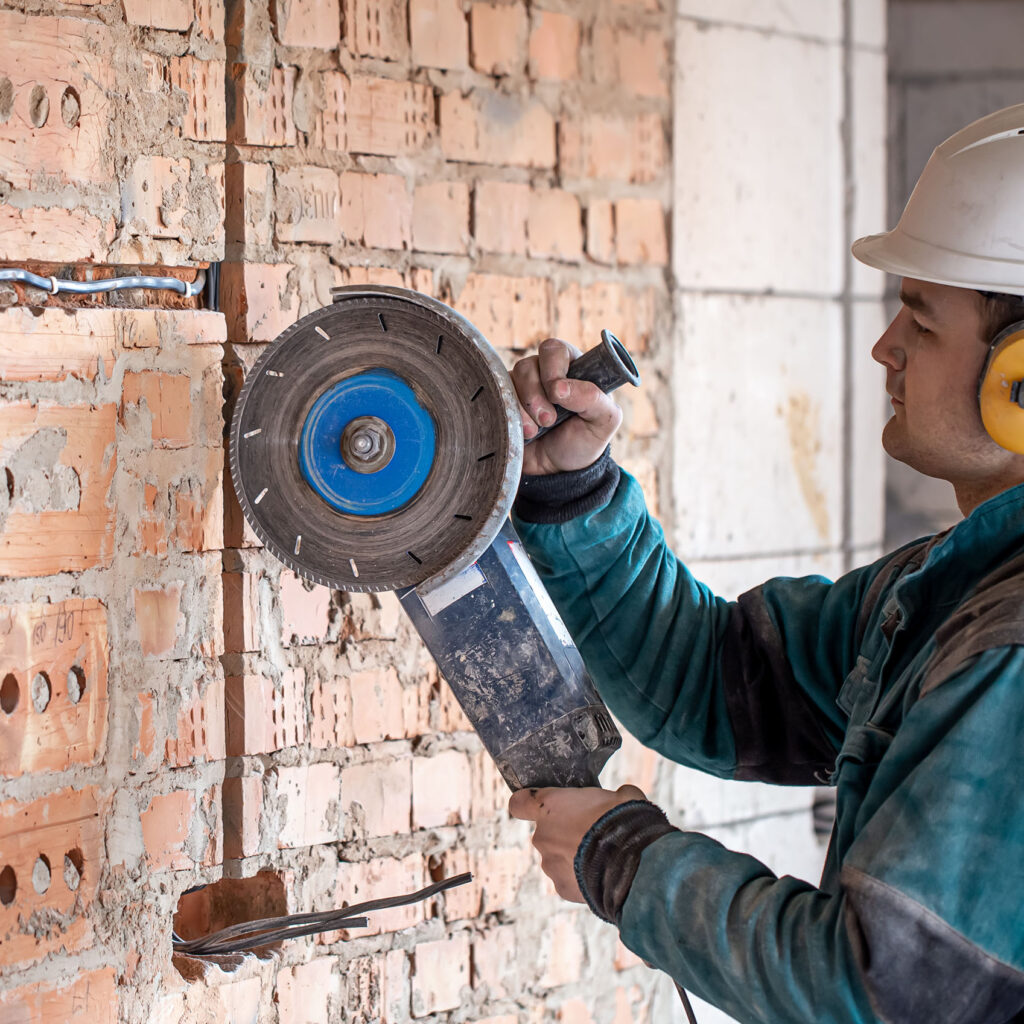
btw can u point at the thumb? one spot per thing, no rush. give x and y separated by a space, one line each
631 793
523 805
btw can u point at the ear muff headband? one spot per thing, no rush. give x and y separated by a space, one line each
1001 389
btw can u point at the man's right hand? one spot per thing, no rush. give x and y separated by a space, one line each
541 383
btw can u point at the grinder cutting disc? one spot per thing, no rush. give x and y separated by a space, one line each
376 443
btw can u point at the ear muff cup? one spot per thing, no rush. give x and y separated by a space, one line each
1001 389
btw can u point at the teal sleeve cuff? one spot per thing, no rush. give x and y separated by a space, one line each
558 497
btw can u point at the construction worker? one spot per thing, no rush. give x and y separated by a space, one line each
901 684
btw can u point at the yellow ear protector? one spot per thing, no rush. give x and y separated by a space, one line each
1001 389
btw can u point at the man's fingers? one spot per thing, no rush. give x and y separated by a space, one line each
631 792
523 804
554 358
530 391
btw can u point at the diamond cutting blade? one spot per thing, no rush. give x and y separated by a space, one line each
377 444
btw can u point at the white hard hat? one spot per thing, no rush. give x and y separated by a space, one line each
964 222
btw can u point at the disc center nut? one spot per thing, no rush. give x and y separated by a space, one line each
367 444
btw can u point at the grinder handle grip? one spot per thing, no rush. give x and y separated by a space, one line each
608 365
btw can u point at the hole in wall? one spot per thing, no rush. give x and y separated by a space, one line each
8 885
9 476
74 866
9 693
41 691
6 98
41 874
38 106
230 901
70 107
76 683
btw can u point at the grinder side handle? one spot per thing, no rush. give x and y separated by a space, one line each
608 365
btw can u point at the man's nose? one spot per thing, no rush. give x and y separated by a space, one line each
888 350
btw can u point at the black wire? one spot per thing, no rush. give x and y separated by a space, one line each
248 935
685 1000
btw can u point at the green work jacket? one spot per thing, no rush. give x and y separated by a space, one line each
902 685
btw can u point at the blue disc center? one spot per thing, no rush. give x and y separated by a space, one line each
385 396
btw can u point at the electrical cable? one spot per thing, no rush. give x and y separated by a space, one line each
112 284
251 934
685 1000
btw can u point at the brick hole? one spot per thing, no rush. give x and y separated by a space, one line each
9 693
227 902
70 107
8 475
38 106
41 874
8 885
41 691
74 868
76 683
6 98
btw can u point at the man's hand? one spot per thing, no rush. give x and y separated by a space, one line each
563 818
540 384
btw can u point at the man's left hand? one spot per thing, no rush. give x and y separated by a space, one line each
563 818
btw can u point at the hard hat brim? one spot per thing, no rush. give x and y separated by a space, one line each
898 253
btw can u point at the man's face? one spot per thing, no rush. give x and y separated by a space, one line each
933 352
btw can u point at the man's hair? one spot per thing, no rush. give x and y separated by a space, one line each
998 311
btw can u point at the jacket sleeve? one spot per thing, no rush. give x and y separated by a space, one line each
927 922
742 689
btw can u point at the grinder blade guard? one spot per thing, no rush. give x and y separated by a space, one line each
377 445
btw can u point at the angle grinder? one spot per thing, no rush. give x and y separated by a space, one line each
377 445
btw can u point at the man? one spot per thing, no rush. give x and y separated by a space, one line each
901 683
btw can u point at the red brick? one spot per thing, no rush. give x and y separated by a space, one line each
166 397
377 28
494 961
376 210
375 275
562 951
66 644
331 724
395 989
250 202
359 881
314 23
307 203
146 742
440 221
377 798
241 612
243 816
499 216
442 969
601 231
48 58
154 196
377 705
511 312
388 117
256 300
607 304
494 128
263 106
200 731
264 715
309 799
439 34
65 828
157 611
363 984
490 792
330 128
54 235
448 713
625 959
554 227
210 19
51 344
86 998
306 993
39 542
641 415
554 46
498 875
174 15
613 147
574 1011
441 790
202 82
179 831
498 33
305 610
636 59
640 235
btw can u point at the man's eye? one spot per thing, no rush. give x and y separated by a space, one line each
920 328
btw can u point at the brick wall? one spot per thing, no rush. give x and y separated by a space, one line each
176 708
950 62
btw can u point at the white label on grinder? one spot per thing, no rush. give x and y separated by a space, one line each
448 593
543 597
